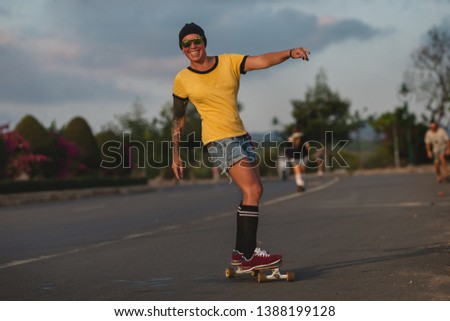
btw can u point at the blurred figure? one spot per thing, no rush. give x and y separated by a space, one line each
438 146
282 166
318 159
297 153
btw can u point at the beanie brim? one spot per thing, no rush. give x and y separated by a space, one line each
191 28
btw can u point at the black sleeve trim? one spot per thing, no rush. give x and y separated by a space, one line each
242 68
180 98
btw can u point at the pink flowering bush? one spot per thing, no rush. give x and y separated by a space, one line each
20 160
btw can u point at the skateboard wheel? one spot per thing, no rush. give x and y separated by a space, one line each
229 273
254 273
262 278
290 276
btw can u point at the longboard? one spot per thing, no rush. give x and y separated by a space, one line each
259 272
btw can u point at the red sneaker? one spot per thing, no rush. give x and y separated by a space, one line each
259 260
236 258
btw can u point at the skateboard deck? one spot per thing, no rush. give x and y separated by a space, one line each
262 277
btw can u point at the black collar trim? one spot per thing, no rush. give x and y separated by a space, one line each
206 71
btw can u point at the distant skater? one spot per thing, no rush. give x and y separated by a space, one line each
437 145
297 154
211 84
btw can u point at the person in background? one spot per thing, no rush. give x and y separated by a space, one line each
297 154
437 145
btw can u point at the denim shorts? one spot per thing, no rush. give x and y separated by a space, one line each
438 153
224 153
298 161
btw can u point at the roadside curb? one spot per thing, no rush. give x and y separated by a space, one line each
45 196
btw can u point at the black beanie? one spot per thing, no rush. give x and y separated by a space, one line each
190 28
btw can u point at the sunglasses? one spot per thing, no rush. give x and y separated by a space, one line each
196 41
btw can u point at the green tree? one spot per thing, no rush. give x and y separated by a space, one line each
430 75
113 164
151 140
36 134
140 139
323 110
136 123
4 157
79 132
399 125
41 142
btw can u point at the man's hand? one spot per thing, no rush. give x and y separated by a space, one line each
177 167
429 154
300 53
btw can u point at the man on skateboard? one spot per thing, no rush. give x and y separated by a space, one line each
211 84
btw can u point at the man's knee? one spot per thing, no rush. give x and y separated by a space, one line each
259 190
254 192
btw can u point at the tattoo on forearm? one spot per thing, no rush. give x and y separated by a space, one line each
179 112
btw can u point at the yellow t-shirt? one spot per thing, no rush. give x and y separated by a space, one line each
214 95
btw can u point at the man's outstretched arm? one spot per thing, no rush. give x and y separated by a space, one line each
274 58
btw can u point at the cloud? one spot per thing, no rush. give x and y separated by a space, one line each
266 30
106 49
115 30
327 20
24 81
4 12
445 24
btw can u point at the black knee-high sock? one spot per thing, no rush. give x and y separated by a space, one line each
247 226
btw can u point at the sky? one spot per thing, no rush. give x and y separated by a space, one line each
94 58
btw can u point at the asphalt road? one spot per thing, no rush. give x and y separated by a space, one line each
379 237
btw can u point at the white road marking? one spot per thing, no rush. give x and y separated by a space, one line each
300 194
164 229
89 208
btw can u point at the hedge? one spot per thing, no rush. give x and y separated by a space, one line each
9 187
